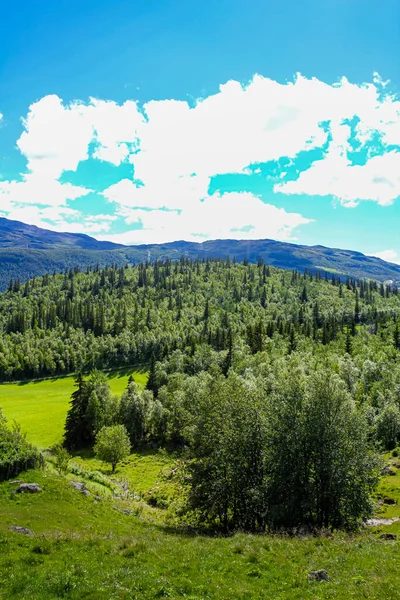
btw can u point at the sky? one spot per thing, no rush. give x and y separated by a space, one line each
147 122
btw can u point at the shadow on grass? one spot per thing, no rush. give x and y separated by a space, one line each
35 381
114 373
83 453
186 531
126 371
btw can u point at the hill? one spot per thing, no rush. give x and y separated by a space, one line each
27 251
74 534
121 316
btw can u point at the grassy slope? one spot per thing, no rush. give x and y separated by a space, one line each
41 406
93 551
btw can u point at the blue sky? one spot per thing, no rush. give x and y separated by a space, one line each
152 121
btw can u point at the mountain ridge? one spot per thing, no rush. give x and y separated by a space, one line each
15 234
27 251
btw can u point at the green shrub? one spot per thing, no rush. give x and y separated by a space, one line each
16 455
62 459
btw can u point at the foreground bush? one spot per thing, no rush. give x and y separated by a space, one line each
16 455
295 454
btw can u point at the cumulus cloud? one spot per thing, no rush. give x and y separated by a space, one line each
38 199
227 216
56 137
378 179
177 147
39 189
388 255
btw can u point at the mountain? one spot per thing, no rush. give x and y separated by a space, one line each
27 251
14 234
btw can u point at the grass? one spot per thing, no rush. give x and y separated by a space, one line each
143 471
41 406
389 490
114 545
86 549
329 270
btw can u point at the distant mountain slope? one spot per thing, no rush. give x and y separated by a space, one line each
27 251
14 234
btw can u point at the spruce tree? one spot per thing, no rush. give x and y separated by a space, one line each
304 297
133 412
152 380
76 434
349 344
226 365
396 337
292 340
357 309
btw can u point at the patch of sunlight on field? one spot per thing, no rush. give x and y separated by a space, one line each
41 406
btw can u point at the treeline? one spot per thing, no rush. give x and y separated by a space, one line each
122 316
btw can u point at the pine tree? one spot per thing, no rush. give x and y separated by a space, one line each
152 380
357 309
349 344
353 328
396 337
228 359
77 434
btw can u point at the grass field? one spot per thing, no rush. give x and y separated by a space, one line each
41 406
84 549
117 546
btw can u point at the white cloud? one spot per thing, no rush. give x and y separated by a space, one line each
227 216
115 128
388 255
93 225
36 199
176 148
56 138
38 189
174 193
378 179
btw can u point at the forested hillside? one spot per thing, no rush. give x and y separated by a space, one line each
280 385
118 316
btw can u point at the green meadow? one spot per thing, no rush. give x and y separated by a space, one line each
101 547
124 541
40 407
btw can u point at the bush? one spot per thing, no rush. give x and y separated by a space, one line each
62 459
16 455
